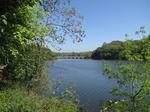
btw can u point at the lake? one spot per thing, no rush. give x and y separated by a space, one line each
92 85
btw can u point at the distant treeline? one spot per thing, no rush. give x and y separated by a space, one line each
116 50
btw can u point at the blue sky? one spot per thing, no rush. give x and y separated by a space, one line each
108 20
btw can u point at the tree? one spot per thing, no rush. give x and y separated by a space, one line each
104 44
17 31
133 78
63 21
25 25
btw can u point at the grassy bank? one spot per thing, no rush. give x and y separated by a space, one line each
19 99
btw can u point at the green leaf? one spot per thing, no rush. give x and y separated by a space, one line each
2 30
4 21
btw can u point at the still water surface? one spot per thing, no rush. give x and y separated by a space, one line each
92 85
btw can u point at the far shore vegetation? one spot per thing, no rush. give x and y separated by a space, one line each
110 51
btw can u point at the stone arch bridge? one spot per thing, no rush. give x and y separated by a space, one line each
71 57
